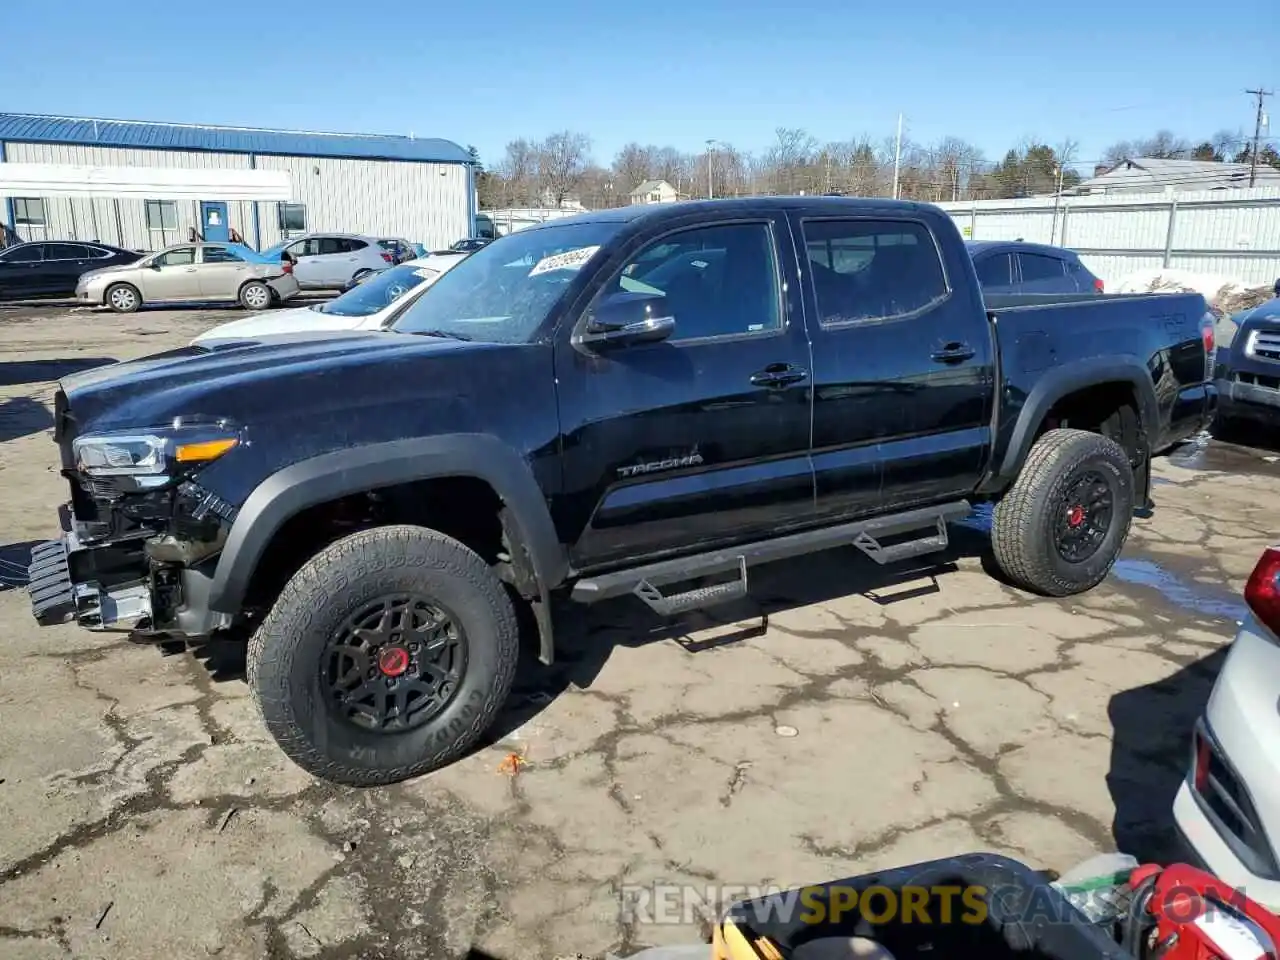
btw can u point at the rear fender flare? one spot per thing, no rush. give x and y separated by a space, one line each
1058 382
343 472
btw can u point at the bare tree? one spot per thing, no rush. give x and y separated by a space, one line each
518 172
634 165
563 159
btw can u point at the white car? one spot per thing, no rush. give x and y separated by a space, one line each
1228 808
367 306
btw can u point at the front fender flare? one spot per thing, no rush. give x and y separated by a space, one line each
344 472
1057 382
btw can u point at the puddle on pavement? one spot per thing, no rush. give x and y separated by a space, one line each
1205 453
1193 597
1183 592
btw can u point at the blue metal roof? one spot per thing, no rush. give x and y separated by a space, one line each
33 128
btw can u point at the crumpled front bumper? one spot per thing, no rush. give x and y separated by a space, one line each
56 597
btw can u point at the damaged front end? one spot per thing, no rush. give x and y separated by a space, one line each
140 536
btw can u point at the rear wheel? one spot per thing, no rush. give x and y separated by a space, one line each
123 298
1061 526
387 655
255 295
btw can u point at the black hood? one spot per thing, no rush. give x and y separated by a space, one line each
273 378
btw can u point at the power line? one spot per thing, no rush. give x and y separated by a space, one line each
1257 132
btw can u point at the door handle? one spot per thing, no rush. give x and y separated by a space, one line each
953 353
778 375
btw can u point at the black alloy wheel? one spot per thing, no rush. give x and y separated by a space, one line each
1085 512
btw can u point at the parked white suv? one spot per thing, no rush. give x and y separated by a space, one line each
1228 808
335 261
369 306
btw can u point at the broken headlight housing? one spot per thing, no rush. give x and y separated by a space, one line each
154 457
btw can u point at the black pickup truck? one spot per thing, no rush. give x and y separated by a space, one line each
623 402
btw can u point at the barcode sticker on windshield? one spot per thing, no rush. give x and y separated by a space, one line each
569 260
425 273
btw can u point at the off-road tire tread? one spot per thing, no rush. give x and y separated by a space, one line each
269 660
1017 538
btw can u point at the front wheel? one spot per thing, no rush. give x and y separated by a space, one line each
123 298
387 655
255 295
1062 524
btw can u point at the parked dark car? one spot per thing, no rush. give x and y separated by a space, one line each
52 268
400 250
1248 374
612 404
1017 267
470 245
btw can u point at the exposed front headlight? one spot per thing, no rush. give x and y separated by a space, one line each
159 454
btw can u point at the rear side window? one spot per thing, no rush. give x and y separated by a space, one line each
872 269
995 271
1037 267
351 246
220 255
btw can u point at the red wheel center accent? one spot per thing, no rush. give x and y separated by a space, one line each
393 661
1075 515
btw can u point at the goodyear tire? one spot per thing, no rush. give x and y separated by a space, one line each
386 656
1061 526
122 297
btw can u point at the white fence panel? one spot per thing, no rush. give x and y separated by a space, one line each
1235 233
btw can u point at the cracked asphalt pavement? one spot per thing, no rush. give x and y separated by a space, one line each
846 718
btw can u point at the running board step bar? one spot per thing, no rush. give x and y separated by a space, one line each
645 582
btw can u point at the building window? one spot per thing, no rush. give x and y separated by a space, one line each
162 215
293 217
655 197
29 211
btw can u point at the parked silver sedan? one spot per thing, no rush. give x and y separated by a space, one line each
192 273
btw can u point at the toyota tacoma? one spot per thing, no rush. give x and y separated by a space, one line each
647 402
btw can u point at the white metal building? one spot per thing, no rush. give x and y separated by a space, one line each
144 185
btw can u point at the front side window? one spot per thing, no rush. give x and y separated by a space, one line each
872 269
1035 267
995 271
506 292
716 281
293 217
180 257
305 248
32 253
221 255
30 211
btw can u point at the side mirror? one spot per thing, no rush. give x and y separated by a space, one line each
623 319
154 265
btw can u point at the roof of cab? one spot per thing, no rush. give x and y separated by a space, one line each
662 211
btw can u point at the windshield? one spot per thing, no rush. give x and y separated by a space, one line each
379 291
504 291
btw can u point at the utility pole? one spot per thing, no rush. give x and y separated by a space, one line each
1257 133
710 144
897 157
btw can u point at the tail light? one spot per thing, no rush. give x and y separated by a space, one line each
1262 592
1098 285
388 257
1209 337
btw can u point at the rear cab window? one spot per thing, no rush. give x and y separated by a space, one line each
867 270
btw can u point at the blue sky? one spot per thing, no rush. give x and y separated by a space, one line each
657 72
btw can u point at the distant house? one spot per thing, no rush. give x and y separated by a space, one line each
1157 175
655 191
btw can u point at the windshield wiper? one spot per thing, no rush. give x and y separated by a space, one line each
447 334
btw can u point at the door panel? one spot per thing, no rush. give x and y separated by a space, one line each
21 271
172 276
309 270
902 366
702 438
221 273
64 262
